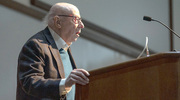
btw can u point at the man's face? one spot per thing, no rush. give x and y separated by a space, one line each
71 27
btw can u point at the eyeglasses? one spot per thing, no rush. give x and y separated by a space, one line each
76 20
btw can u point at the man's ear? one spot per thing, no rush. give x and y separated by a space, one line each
57 22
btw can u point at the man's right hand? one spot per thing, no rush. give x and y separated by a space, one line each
79 76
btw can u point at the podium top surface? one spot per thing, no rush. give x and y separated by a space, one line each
132 64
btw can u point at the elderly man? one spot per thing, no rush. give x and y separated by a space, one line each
46 69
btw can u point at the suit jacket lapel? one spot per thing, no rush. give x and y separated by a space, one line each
54 50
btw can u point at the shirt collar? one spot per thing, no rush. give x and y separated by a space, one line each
60 43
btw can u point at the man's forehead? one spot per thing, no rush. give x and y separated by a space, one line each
76 13
68 9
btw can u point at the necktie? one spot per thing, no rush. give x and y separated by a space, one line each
67 70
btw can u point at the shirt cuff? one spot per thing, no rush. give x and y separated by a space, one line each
63 90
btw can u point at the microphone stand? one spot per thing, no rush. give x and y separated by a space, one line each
166 27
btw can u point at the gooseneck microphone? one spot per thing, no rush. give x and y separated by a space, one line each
147 18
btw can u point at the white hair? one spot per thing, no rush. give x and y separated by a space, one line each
48 19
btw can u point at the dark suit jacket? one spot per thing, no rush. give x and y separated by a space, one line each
40 68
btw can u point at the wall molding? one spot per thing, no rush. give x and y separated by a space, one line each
30 11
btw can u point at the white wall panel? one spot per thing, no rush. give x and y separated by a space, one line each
176 22
15 29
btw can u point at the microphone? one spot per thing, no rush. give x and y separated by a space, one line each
147 18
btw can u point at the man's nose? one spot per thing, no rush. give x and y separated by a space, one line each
81 25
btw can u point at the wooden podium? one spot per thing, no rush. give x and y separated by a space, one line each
149 78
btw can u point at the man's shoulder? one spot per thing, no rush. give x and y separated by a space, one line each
40 36
38 40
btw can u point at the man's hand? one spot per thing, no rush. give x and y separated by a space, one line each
78 76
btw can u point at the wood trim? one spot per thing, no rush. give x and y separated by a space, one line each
91 32
171 24
40 4
112 35
30 11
